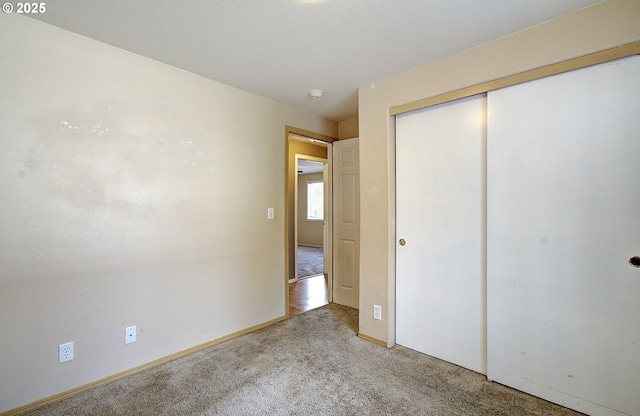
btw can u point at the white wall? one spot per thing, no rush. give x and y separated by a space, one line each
602 26
119 206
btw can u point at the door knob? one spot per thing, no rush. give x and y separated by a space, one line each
402 242
634 261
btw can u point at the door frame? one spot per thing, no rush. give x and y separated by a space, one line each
595 58
290 175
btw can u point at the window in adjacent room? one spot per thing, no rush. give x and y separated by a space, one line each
315 200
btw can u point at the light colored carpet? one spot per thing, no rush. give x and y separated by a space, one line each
310 261
311 364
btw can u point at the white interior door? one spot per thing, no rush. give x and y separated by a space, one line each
346 223
563 223
327 229
440 262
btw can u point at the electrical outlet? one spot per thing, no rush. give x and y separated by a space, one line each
65 352
377 312
130 334
270 213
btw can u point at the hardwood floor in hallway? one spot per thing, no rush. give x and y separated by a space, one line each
307 294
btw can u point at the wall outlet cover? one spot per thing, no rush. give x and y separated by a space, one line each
65 352
130 334
377 312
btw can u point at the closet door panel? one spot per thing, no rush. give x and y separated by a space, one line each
563 222
441 284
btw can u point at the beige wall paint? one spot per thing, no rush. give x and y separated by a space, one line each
309 232
605 25
131 193
348 129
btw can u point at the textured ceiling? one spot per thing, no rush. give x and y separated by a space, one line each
308 166
281 49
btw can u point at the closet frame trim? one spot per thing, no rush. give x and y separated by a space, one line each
530 75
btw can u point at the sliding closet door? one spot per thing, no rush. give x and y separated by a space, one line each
563 224
440 255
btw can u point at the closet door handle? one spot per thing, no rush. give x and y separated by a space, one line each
635 261
402 242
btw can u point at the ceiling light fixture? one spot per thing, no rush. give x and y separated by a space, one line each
315 94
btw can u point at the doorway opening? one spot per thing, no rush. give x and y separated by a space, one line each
308 289
308 249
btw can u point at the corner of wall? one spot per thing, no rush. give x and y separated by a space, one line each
348 128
